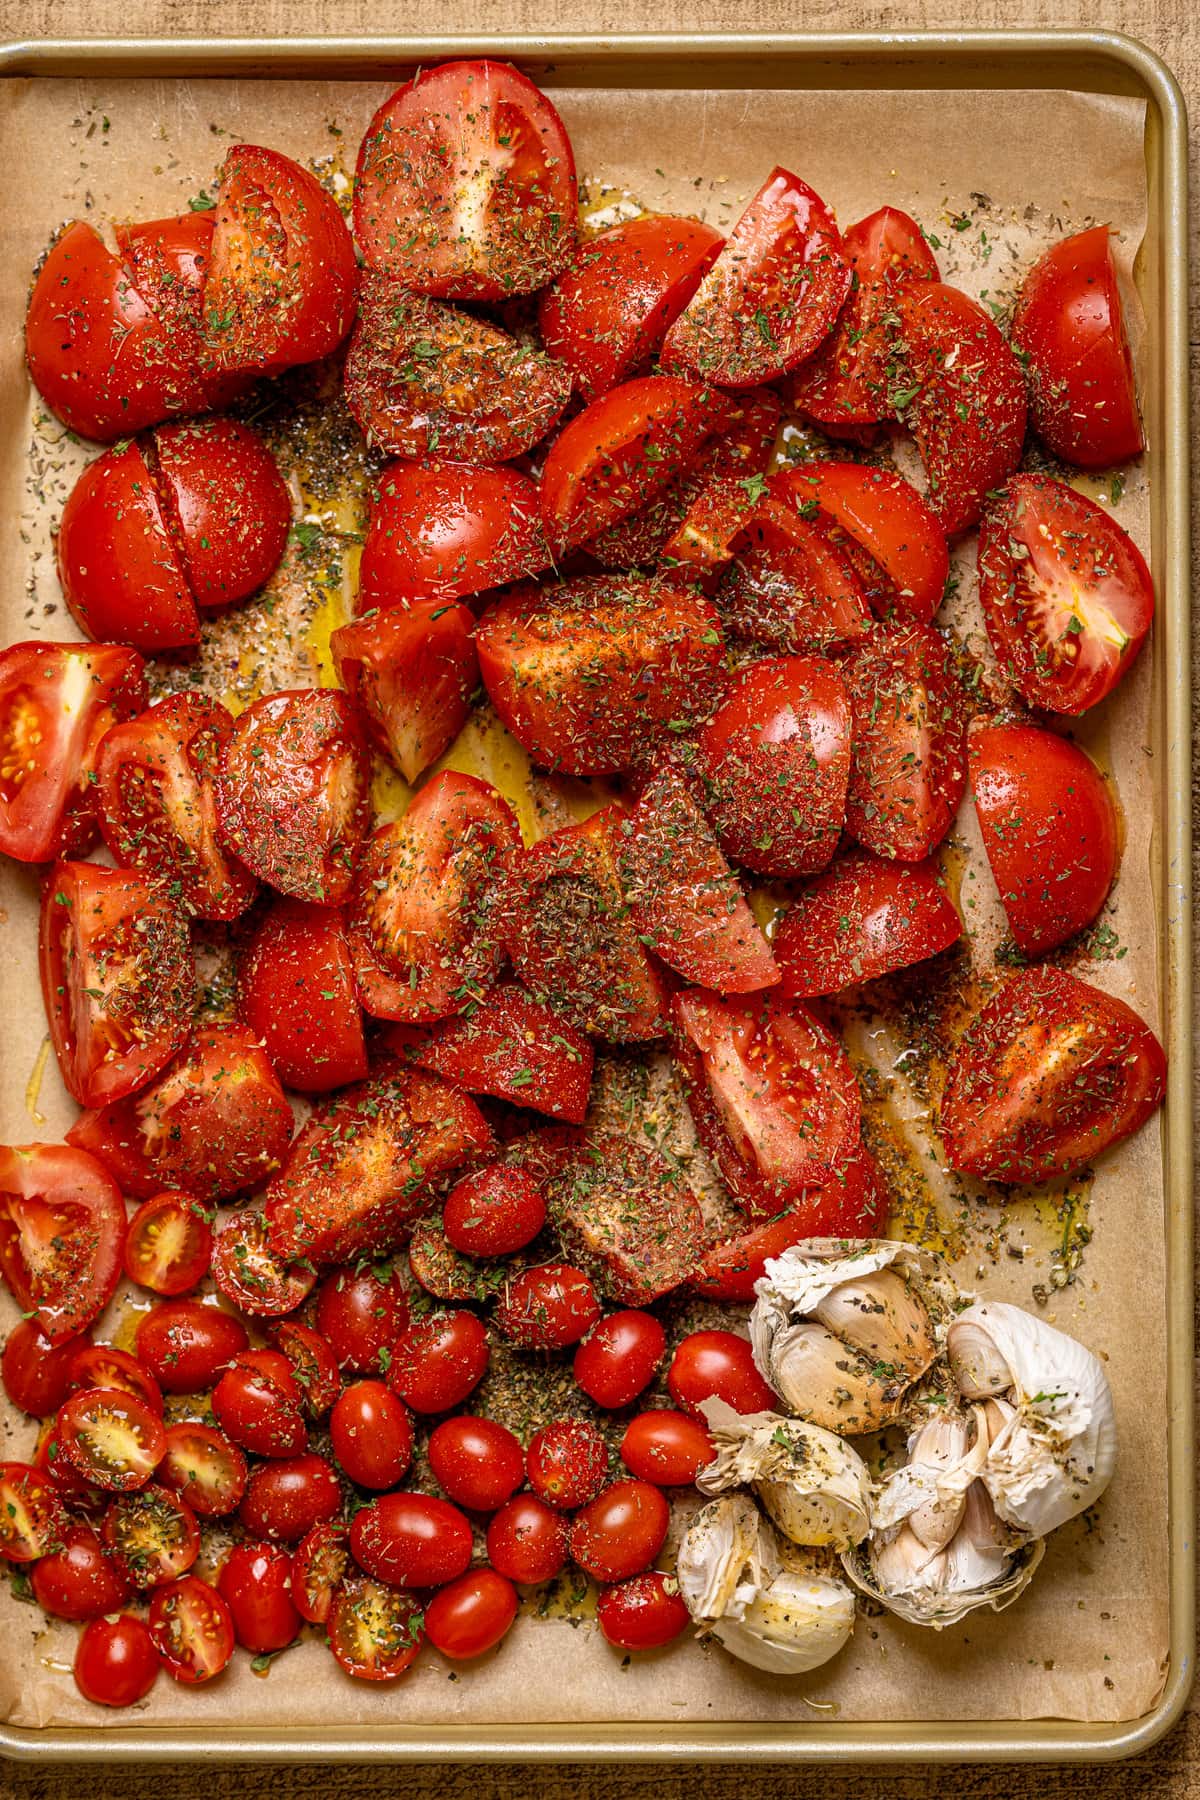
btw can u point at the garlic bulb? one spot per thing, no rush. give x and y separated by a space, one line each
769 1604
814 1487
1057 1452
841 1334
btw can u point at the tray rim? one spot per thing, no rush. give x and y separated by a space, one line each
1047 1740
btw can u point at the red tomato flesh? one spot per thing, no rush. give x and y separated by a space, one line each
515 1047
909 762
62 1231
411 673
296 993
862 918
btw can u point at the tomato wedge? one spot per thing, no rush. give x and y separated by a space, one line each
442 530
864 917
626 1215
515 1047
33 1520
62 1230
169 259
887 531
411 673
111 1437
465 184
228 506
296 994
1067 597
789 587
909 764
168 1245
374 1631
1050 1074
246 1270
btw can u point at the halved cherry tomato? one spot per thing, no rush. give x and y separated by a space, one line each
375 1631
411 1540
789 586
116 1662
79 1579
1067 597
361 1315
111 1437
772 295
442 530
292 792
643 1613
772 1092
62 1230
865 916
319 1563
204 1468
256 1585
465 184
623 290
33 1521
256 1403
527 1540
717 1364
422 926
618 1357
548 1307
36 1371
81 1495
286 1497
775 759
104 1366
153 1534
314 1366
186 1345
1050 1074
477 1462
411 672
372 1434
621 1531
494 1211
568 1463
517 1048
889 533
227 506
439 1360
444 1272
666 1448
909 763
249 1274
56 703
192 1629
282 283
423 379
471 1615
1069 327
296 993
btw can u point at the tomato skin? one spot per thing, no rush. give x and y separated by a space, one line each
621 292
192 1629
527 1540
186 1345
621 1531
204 1468
789 587
518 1049
36 1371
361 1316
891 534
103 1366
255 1583
153 1534
860 919
1067 597
439 1360
111 1437
375 1631
717 1364
62 1229
319 1563
313 1364
1049 1074
1069 323
257 1404
296 993
372 1434
116 1663
169 259
619 1356
643 1613
568 1463
168 1244
666 1448
494 1211
79 1580
549 1307
411 1540
33 1522
411 672
471 1615
287 1497
249 1274
479 1464
442 531
229 503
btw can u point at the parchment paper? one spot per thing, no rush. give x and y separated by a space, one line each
995 177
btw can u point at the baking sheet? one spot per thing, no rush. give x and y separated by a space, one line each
994 176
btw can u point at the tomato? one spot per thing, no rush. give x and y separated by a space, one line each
411 1540
296 993
626 1212
909 763
256 1584
666 1448
519 1049
186 1346
845 384
585 673
168 1244
422 935
169 259
319 1562
69 1485
214 1123
494 1211
643 1613
568 1463
192 1629
889 533
1049 826
471 1615
359 1171
527 1540
62 1228
1067 597
257 1404
313 1364
619 1356
372 1435
292 792
620 451
465 184
477 1462
621 1531
56 703
153 1534
441 530
287 1497
375 1632
111 1437
116 1662
282 284
549 1307
203 1468
772 295
683 897
445 1274
104 1366
36 1371
424 379
862 918
853 1203
707 535
717 1364
1050 1074
439 1360
1068 327
789 587
251 1276
961 391
775 761
32 1520
411 673
228 505
362 1316
79 1579
624 288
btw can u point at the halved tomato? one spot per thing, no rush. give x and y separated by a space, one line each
153 1534
296 994
118 980
411 673
62 1230
789 587
881 524
863 917
33 1520
374 1631
1049 1074
192 1630
168 1245
104 1366
319 1562
909 763
442 530
204 1468
515 1047
314 1366
111 1437
465 184
246 1270
1067 597
169 260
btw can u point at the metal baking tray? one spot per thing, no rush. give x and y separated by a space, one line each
1097 62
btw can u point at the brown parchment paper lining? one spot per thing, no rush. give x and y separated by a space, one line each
1088 1641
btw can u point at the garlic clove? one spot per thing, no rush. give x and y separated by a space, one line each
981 1565
822 1381
814 1487
725 1558
882 1317
979 1370
797 1623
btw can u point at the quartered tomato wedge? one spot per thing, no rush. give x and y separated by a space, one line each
878 520
1050 1074
153 1534
62 1230
192 1630
118 981
789 587
296 994
33 1520
228 507
204 1468
865 916
1067 597
374 1631
411 671
772 295
909 764
515 1047
772 1092
169 260
465 184
168 1245
442 530
249 1274
111 1437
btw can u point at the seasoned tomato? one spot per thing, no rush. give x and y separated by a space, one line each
319 1563
111 1437
494 1211
909 762
878 520
375 1631
619 1356
62 1231
104 1366
1067 597
1050 1073
256 1403
313 1363
789 587
36 1371
204 1468
168 1243
568 1463
549 1307
372 1434
517 1048
256 1585
717 1365
153 1534
666 1448
865 916
621 1531
439 1360
296 994
33 1522
527 1540
288 1496
169 261
192 1629
465 184
251 1276
79 1579
361 1314
411 1540
477 1463
643 1613
626 1213
116 1661
186 1345
471 1615
228 507
411 672
442 530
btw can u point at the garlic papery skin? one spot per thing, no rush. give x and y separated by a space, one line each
797 1623
814 1487
1057 1452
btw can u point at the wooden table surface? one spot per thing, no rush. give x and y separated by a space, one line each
1172 29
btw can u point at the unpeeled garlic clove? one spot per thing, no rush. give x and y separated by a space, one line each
979 1370
725 1559
883 1317
814 1487
797 1623
825 1382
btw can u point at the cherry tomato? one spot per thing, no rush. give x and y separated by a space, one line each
1067 597
568 1463
168 1244
909 763
439 1360
116 1662
666 1448
517 1048
548 1307
863 917
471 1615
494 1211
192 1629
79 1579
103 1366
372 1434
257 1404
313 1364
375 1632
255 1583
362 1317
621 1531
479 1463
717 1364
251 1276
111 1437
153 1534
889 534
186 1345
439 531
37 1371
643 1613
319 1563
411 1540
287 1497
527 1540
411 672
33 1522
62 1228
204 1468
68 1483
618 1357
